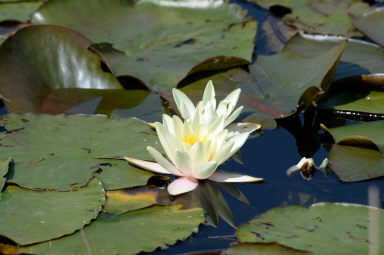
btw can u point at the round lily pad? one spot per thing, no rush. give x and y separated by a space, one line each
60 152
28 217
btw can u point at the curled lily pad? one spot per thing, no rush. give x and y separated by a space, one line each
34 216
130 233
61 152
39 59
316 229
189 39
371 24
358 152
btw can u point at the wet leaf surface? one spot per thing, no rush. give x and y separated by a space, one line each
39 59
187 39
4 166
34 216
371 24
318 17
153 227
18 11
315 229
60 152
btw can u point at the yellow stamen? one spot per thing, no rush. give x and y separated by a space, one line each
192 139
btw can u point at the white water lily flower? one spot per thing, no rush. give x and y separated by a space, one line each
207 106
195 148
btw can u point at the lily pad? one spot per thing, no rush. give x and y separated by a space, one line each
4 166
118 174
34 216
65 100
318 17
315 229
39 59
357 154
261 249
18 11
61 152
146 34
371 24
129 233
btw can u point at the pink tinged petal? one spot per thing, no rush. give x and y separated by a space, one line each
147 165
182 185
163 161
184 104
206 170
209 94
184 163
233 116
220 176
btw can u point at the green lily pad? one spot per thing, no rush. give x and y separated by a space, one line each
359 57
371 24
315 229
39 59
18 11
357 154
34 216
65 100
4 166
118 174
61 152
319 17
262 249
145 35
129 233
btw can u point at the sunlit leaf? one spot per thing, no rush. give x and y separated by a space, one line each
4 166
60 152
38 59
34 216
357 154
121 201
18 11
129 233
262 249
318 17
316 229
118 174
147 34
371 24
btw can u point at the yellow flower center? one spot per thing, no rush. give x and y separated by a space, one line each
192 139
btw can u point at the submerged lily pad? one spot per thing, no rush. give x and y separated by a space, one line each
18 11
28 216
316 229
4 166
147 34
371 24
129 233
357 154
60 152
39 59
319 17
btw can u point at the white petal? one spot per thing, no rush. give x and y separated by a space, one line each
209 114
184 163
217 125
198 154
239 141
220 176
195 122
184 104
178 126
182 185
147 165
206 170
224 152
228 104
162 133
168 123
163 161
209 95
233 116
